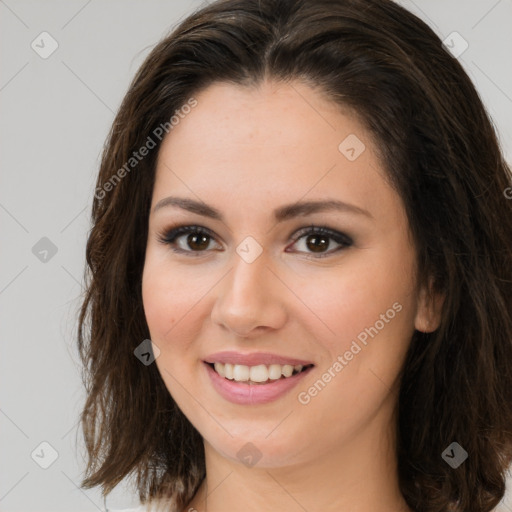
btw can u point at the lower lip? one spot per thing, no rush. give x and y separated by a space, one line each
251 394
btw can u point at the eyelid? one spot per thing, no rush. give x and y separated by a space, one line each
323 230
169 235
343 240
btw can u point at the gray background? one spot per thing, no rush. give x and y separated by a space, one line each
55 114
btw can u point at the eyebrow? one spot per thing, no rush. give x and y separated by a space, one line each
281 214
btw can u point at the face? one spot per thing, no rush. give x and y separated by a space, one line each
243 276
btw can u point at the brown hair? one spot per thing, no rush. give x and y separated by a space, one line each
440 152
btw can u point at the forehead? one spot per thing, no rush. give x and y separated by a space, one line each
283 115
268 145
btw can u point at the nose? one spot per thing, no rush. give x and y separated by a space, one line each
250 299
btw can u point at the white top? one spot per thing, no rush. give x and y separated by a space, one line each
154 506
141 508
138 509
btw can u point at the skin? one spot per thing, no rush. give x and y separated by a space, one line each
246 151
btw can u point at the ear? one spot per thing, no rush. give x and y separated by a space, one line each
429 309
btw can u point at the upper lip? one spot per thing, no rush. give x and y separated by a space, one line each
253 359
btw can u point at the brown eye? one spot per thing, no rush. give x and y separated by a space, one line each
317 243
197 241
319 239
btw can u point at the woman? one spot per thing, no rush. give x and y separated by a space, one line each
302 205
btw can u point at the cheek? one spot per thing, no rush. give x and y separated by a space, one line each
171 303
370 314
169 296
168 307
161 307
361 295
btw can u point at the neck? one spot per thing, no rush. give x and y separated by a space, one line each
361 477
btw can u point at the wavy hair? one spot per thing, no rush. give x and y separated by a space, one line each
440 152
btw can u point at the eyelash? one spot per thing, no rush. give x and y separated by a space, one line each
170 235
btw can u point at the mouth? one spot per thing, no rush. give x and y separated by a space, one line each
254 379
261 374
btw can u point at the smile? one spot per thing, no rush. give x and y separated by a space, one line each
259 374
257 378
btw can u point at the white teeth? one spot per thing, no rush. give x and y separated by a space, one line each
259 373
274 371
287 370
228 370
219 368
240 373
